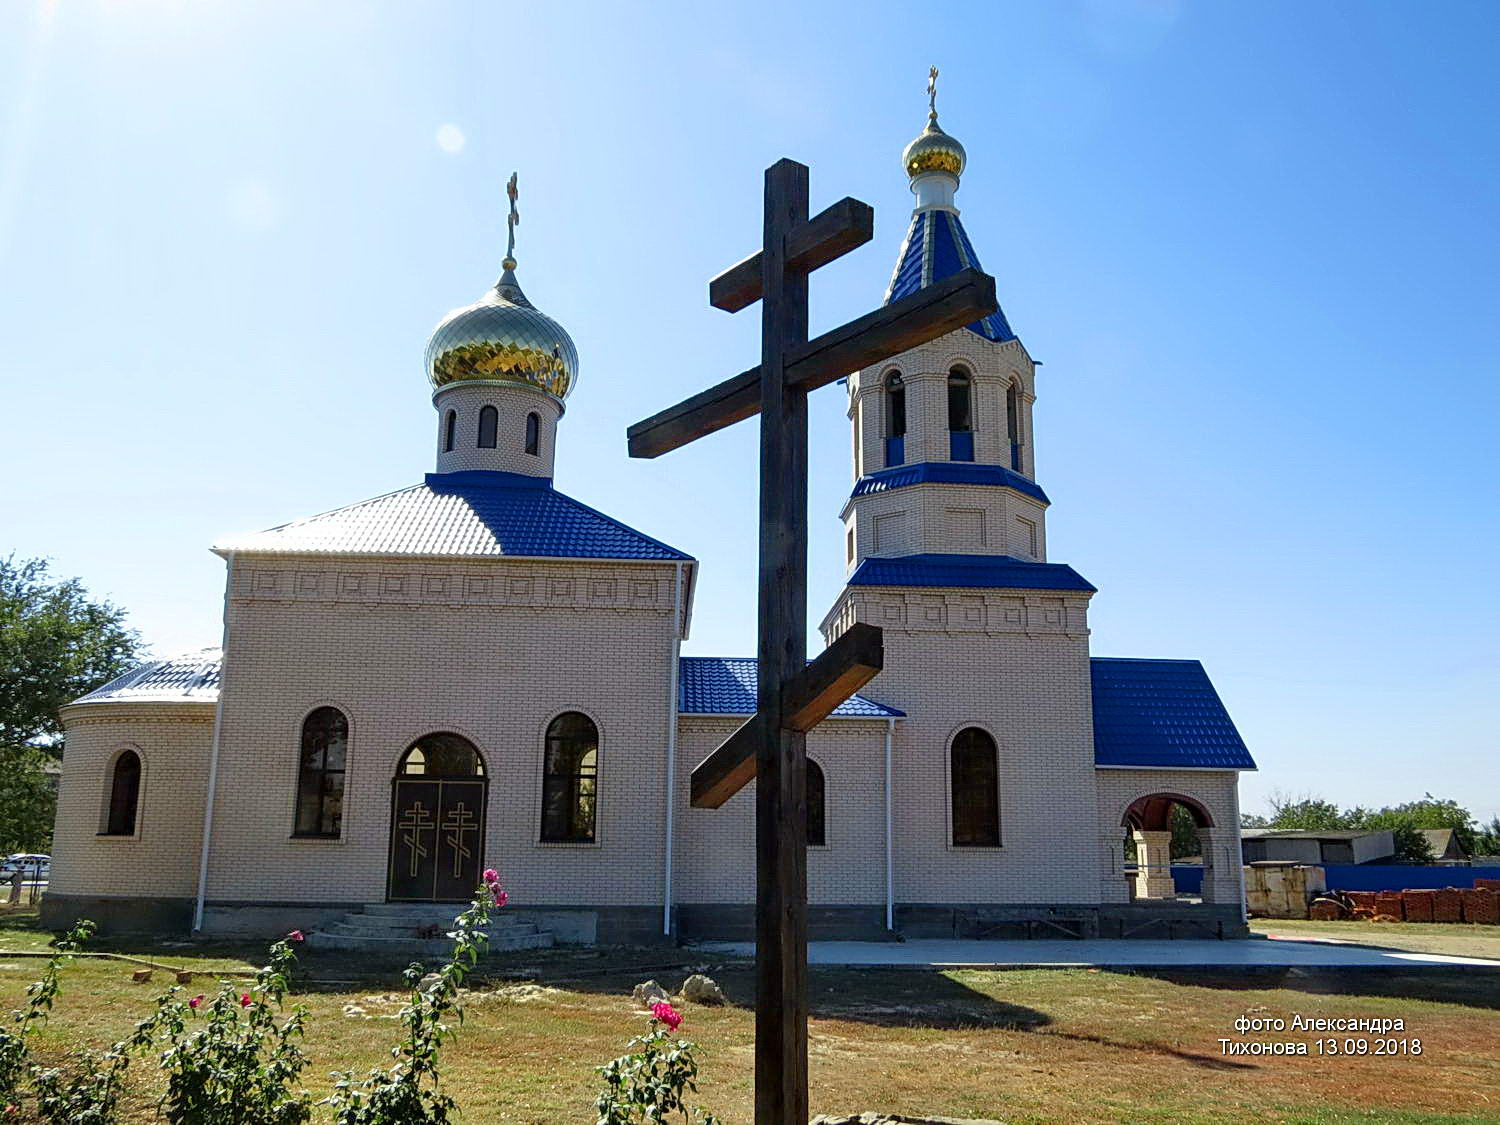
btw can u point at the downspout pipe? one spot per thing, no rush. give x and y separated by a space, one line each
213 757
890 863
674 702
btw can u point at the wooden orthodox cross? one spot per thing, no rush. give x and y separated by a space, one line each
793 695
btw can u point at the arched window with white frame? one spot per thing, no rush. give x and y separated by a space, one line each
570 780
123 805
974 774
960 415
489 425
895 419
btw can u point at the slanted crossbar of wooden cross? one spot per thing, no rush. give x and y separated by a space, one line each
793 695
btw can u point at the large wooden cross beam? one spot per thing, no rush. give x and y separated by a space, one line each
793 695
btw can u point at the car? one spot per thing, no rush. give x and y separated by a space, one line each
30 866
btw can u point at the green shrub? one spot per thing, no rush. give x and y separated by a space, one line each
15 1053
652 1080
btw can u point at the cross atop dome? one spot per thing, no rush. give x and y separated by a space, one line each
503 337
937 246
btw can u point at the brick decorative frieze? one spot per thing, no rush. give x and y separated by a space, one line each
529 584
934 610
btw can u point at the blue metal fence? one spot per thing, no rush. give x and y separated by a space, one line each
1188 878
1391 877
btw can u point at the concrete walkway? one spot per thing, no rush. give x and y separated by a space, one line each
1247 953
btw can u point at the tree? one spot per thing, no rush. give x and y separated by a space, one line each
56 643
1184 833
1487 838
1305 812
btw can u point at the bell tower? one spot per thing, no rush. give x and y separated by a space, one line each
943 456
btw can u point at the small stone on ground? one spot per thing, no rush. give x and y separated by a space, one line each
702 990
648 992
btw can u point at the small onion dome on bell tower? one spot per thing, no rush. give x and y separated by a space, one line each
934 161
503 337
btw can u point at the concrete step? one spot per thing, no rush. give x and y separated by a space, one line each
405 909
353 926
435 949
390 928
405 924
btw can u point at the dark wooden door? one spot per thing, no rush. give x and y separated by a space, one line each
437 839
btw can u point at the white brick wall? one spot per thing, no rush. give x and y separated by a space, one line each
489 650
715 854
161 858
513 403
1014 663
925 371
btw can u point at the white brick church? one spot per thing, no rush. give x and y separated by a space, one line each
480 671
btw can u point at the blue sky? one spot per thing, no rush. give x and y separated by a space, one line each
1254 246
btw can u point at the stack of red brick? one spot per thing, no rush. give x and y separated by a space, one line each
1480 905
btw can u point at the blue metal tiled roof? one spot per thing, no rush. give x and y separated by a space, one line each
937 246
1162 713
190 678
1003 572
478 512
948 472
726 685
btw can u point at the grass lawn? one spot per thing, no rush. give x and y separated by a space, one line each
1456 938
1036 1046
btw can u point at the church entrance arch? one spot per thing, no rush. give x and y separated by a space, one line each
438 804
1159 824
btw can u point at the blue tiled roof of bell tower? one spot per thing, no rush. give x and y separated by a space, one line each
937 246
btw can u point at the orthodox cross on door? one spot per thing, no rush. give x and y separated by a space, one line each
793 695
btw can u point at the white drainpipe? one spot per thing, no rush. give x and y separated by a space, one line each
672 719
890 864
213 757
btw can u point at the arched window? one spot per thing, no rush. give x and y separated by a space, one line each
1013 423
976 790
895 395
441 755
489 422
960 401
450 430
815 819
895 419
320 774
533 432
124 795
960 415
570 779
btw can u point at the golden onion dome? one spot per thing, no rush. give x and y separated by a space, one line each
934 151
503 338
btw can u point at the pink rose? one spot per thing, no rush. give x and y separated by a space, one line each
195 1001
491 875
667 1014
244 999
501 897
296 935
